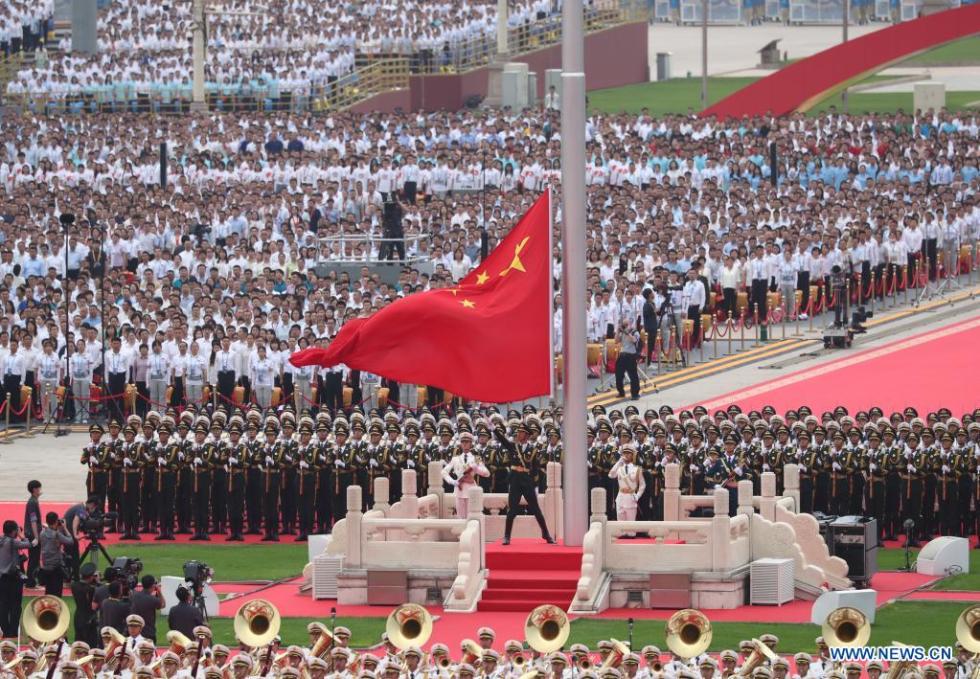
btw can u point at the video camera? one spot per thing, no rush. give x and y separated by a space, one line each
96 523
858 319
126 570
197 573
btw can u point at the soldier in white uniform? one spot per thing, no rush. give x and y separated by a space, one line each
629 476
461 472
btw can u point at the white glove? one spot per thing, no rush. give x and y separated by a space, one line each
198 462
945 469
340 464
127 462
288 459
765 466
910 468
636 497
269 461
92 459
738 470
802 468
694 467
374 463
161 462
180 456
232 460
303 465
836 467
410 464
872 467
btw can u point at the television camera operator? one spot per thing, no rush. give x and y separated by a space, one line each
184 616
666 300
11 577
86 615
629 341
391 228
145 603
82 520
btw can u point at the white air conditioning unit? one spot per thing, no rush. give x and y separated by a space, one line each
325 572
771 581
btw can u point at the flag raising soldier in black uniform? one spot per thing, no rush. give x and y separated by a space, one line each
323 467
254 477
306 455
219 475
130 465
344 468
522 458
235 456
149 504
289 479
201 459
271 452
168 467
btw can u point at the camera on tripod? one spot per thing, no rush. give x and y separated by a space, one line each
197 573
859 317
126 570
96 523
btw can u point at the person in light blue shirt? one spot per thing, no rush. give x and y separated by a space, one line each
32 264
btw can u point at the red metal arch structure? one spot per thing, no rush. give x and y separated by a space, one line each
804 83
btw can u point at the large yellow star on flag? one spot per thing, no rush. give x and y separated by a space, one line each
469 304
482 278
516 264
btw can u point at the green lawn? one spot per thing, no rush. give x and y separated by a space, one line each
669 96
958 52
231 562
889 102
902 621
893 559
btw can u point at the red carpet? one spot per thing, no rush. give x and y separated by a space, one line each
924 371
528 573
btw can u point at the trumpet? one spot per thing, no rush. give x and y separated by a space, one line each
471 652
968 634
519 661
615 659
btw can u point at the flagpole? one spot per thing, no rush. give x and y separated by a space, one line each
573 216
551 294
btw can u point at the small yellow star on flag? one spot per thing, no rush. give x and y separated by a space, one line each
482 278
468 303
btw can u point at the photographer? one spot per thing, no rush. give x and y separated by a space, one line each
184 616
146 603
11 577
51 541
115 609
75 520
629 340
83 591
650 321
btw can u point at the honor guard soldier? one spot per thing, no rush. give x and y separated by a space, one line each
254 476
219 474
838 461
522 457
876 466
235 457
168 467
375 453
891 451
929 468
394 459
964 493
487 452
911 478
306 462
692 474
112 444
323 470
96 456
289 479
185 476
445 449
951 467
201 459
822 470
808 461
856 468
602 456
344 468
358 458
783 452
645 458
131 472
147 444
735 471
630 484
272 452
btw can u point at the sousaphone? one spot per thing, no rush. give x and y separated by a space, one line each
546 628
688 633
846 627
257 623
408 625
46 619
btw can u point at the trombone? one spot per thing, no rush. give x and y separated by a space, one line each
688 633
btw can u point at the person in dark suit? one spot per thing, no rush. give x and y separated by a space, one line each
649 322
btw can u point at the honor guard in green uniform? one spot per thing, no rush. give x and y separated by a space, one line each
219 475
168 465
839 463
646 460
289 478
734 472
114 491
951 467
185 475
808 459
344 468
485 449
911 477
254 476
306 454
149 504
323 468
692 475
856 469
201 456
271 465
891 450
964 493
235 456
876 467
130 492
929 468
96 456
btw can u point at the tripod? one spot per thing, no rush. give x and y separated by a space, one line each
93 550
667 312
951 258
198 591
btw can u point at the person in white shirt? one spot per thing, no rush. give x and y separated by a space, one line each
786 274
730 280
80 368
117 369
158 375
226 365
694 302
263 377
461 472
197 375
50 369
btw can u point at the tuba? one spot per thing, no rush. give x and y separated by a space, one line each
688 633
615 658
846 627
256 623
408 625
471 652
46 619
546 628
178 643
898 669
116 642
756 658
968 634
323 644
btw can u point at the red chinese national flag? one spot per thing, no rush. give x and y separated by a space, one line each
486 339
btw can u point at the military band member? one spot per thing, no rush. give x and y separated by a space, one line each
522 457
235 456
131 472
462 471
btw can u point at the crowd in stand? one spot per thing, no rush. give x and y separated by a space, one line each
24 24
259 51
678 206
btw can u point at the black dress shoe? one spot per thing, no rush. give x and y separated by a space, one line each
505 541
169 536
550 540
196 538
160 537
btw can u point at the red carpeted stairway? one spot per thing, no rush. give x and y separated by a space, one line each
528 573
